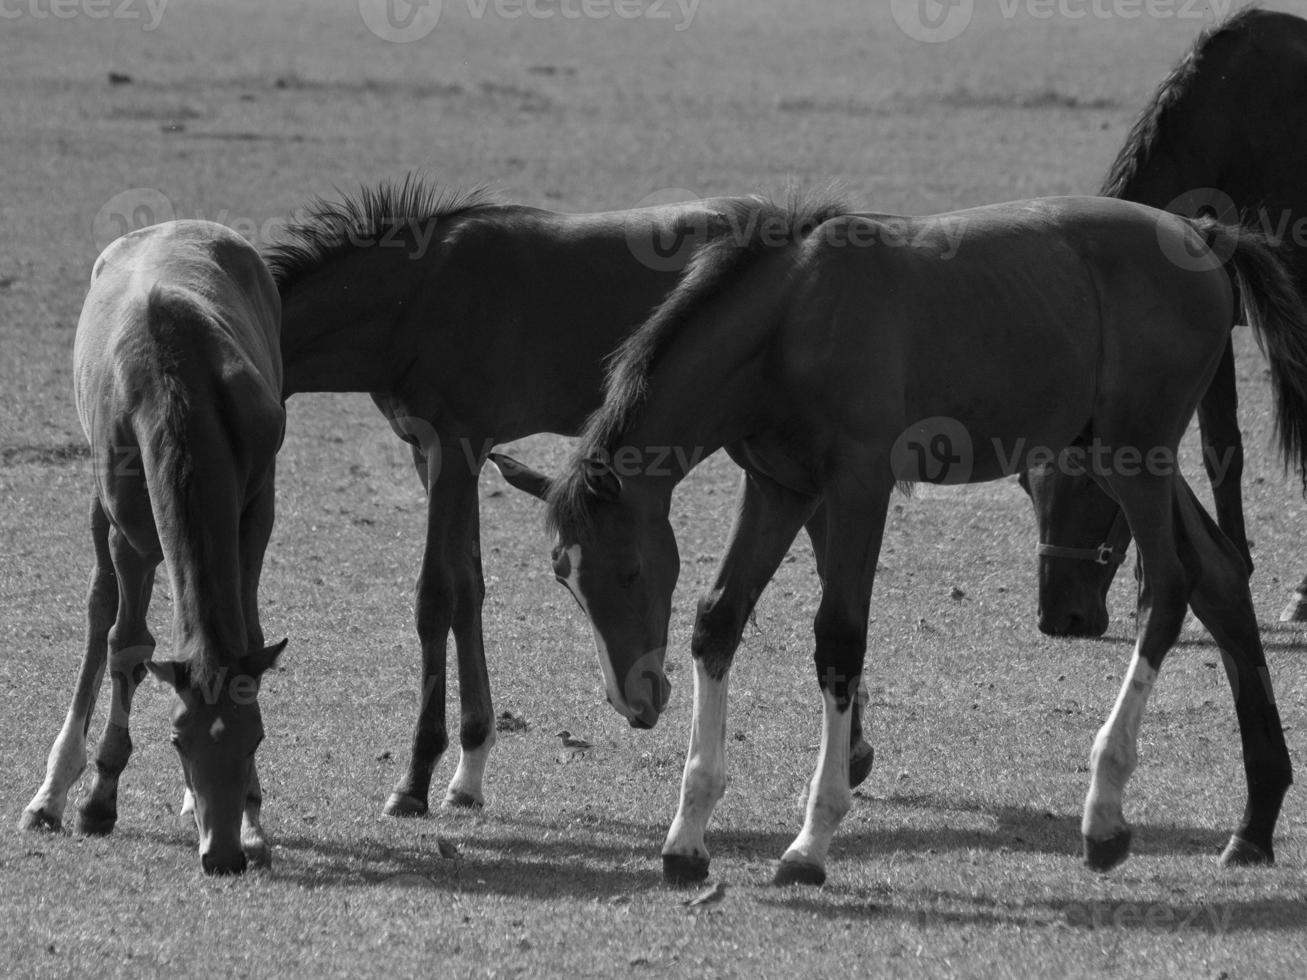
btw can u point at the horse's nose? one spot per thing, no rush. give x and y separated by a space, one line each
226 866
1074 623
644 706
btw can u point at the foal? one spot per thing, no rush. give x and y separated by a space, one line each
177 370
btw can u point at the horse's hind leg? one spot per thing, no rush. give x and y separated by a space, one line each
861 753
476 730
256 529
1163 599
856 515
130 645
1218 417
766 523
68 755
1222 601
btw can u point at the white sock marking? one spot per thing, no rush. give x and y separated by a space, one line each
1115 753
829 796
704 780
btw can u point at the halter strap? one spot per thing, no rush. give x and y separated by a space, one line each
1104 554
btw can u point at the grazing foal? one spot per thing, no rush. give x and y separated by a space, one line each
177 369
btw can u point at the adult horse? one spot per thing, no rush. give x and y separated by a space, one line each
472 324
177 374
1218 136
837 364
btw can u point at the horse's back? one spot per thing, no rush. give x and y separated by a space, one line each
1007 318
177 356
189 296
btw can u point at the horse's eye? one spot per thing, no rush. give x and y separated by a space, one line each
627 579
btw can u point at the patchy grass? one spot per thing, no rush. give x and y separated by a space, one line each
959 856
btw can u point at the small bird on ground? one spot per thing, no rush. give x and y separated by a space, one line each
710 899
447 849
573 745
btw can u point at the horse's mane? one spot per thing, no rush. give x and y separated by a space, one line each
757 226
332 229
1147 131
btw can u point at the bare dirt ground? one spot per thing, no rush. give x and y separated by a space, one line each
959 857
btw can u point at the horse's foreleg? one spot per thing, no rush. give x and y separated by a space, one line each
67 757
861 753
256 529
765 524
1222 601
1218 419
434 612
130 644
1163 596
476 731
856 516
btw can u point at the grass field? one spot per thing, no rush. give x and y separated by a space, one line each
959 857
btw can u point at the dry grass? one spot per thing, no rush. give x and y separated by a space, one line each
959 855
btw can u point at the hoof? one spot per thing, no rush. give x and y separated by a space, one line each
860 760
790 872
40 820
94 821
1240 853
458 800
1296 610
1106 854
684 869
403 805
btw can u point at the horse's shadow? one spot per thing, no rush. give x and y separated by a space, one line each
928 908
538 857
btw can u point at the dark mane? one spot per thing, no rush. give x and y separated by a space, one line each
1148 128
333 229
757 226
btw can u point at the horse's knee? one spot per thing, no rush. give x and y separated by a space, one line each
717 628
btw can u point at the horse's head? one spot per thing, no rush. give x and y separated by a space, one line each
216 727
616 553
1083 537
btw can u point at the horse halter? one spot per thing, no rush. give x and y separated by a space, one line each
1105 554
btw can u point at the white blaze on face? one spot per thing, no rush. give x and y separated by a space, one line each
573 583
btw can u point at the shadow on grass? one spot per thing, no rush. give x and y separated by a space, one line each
932 908
599 857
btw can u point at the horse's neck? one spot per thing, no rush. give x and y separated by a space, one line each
710 388
339 324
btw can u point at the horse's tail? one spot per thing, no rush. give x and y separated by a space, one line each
1278 316
193 532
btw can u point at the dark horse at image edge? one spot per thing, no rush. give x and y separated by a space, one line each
819 364
1225 134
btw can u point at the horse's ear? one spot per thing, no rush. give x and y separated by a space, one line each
260 661
600 479
521 476
175 673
